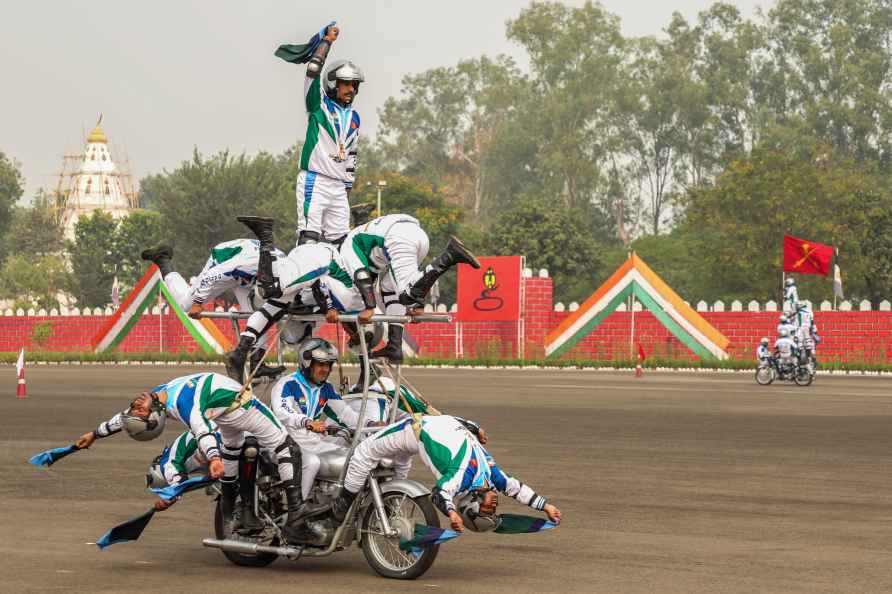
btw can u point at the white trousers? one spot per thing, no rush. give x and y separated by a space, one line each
322 205
259 421
400 446
311 445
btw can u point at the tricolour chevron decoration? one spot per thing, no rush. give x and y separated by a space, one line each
636 278
143 295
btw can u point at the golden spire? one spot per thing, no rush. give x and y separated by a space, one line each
97 135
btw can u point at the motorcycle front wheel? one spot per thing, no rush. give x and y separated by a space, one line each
803 377
764 376
258 560
384 553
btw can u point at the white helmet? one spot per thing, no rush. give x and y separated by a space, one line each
790 281
784 333
155 477
148 428
341 70
315 349
383 385
764 340
469 509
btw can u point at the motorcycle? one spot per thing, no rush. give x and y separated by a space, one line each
796 371
383 513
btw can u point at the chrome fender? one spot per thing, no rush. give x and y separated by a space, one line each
411 488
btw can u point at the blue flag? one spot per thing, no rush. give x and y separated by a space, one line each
174 491
517 524
426 536
50 457
126 532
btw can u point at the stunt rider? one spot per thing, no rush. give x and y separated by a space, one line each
462 467
232 265
763 354
392 248
208 401
329 155
299 400
284 279
791 295
785 348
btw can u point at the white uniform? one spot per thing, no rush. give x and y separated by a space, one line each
296 402
392 247
299 270
232 265
791 296
786 348
763 354
804 319
327 164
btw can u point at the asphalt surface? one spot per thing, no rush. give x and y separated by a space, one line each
669 483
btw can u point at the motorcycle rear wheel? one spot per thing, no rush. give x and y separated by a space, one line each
764 376
803 377
258 560
384 554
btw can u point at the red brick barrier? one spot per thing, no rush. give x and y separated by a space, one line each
864 336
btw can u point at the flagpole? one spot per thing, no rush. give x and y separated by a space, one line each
632 328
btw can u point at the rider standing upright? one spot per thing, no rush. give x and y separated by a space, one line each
329 154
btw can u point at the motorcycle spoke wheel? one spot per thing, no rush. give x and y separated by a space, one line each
386 549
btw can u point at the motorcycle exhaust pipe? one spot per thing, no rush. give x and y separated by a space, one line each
249 548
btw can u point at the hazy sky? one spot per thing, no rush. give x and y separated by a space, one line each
169 75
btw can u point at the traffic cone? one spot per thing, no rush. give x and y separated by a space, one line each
21 390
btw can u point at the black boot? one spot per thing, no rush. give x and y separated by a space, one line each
248 520
455 253
263 229
235 359
296 529
264 370
160 256
341 505
228 491
393 350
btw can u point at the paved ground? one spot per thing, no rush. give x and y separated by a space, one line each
670 483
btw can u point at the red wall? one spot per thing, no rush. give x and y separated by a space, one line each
852 336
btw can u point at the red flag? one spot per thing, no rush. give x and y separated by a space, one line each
806 257
490 293
641 355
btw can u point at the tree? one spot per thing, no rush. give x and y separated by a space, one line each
199 201
443 126
35 231
11 189
93 259
553 238
33 281
135 232
810 192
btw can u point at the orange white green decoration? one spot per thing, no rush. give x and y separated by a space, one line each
634 277
144 294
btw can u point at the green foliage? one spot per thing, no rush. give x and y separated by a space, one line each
11 189
199 201
553 238
740 222
41 333
134 233
93 259
33 281
35 230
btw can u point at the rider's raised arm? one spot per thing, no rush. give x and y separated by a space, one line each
512 487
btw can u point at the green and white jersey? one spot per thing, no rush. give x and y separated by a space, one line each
196 399
181 458
332 140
